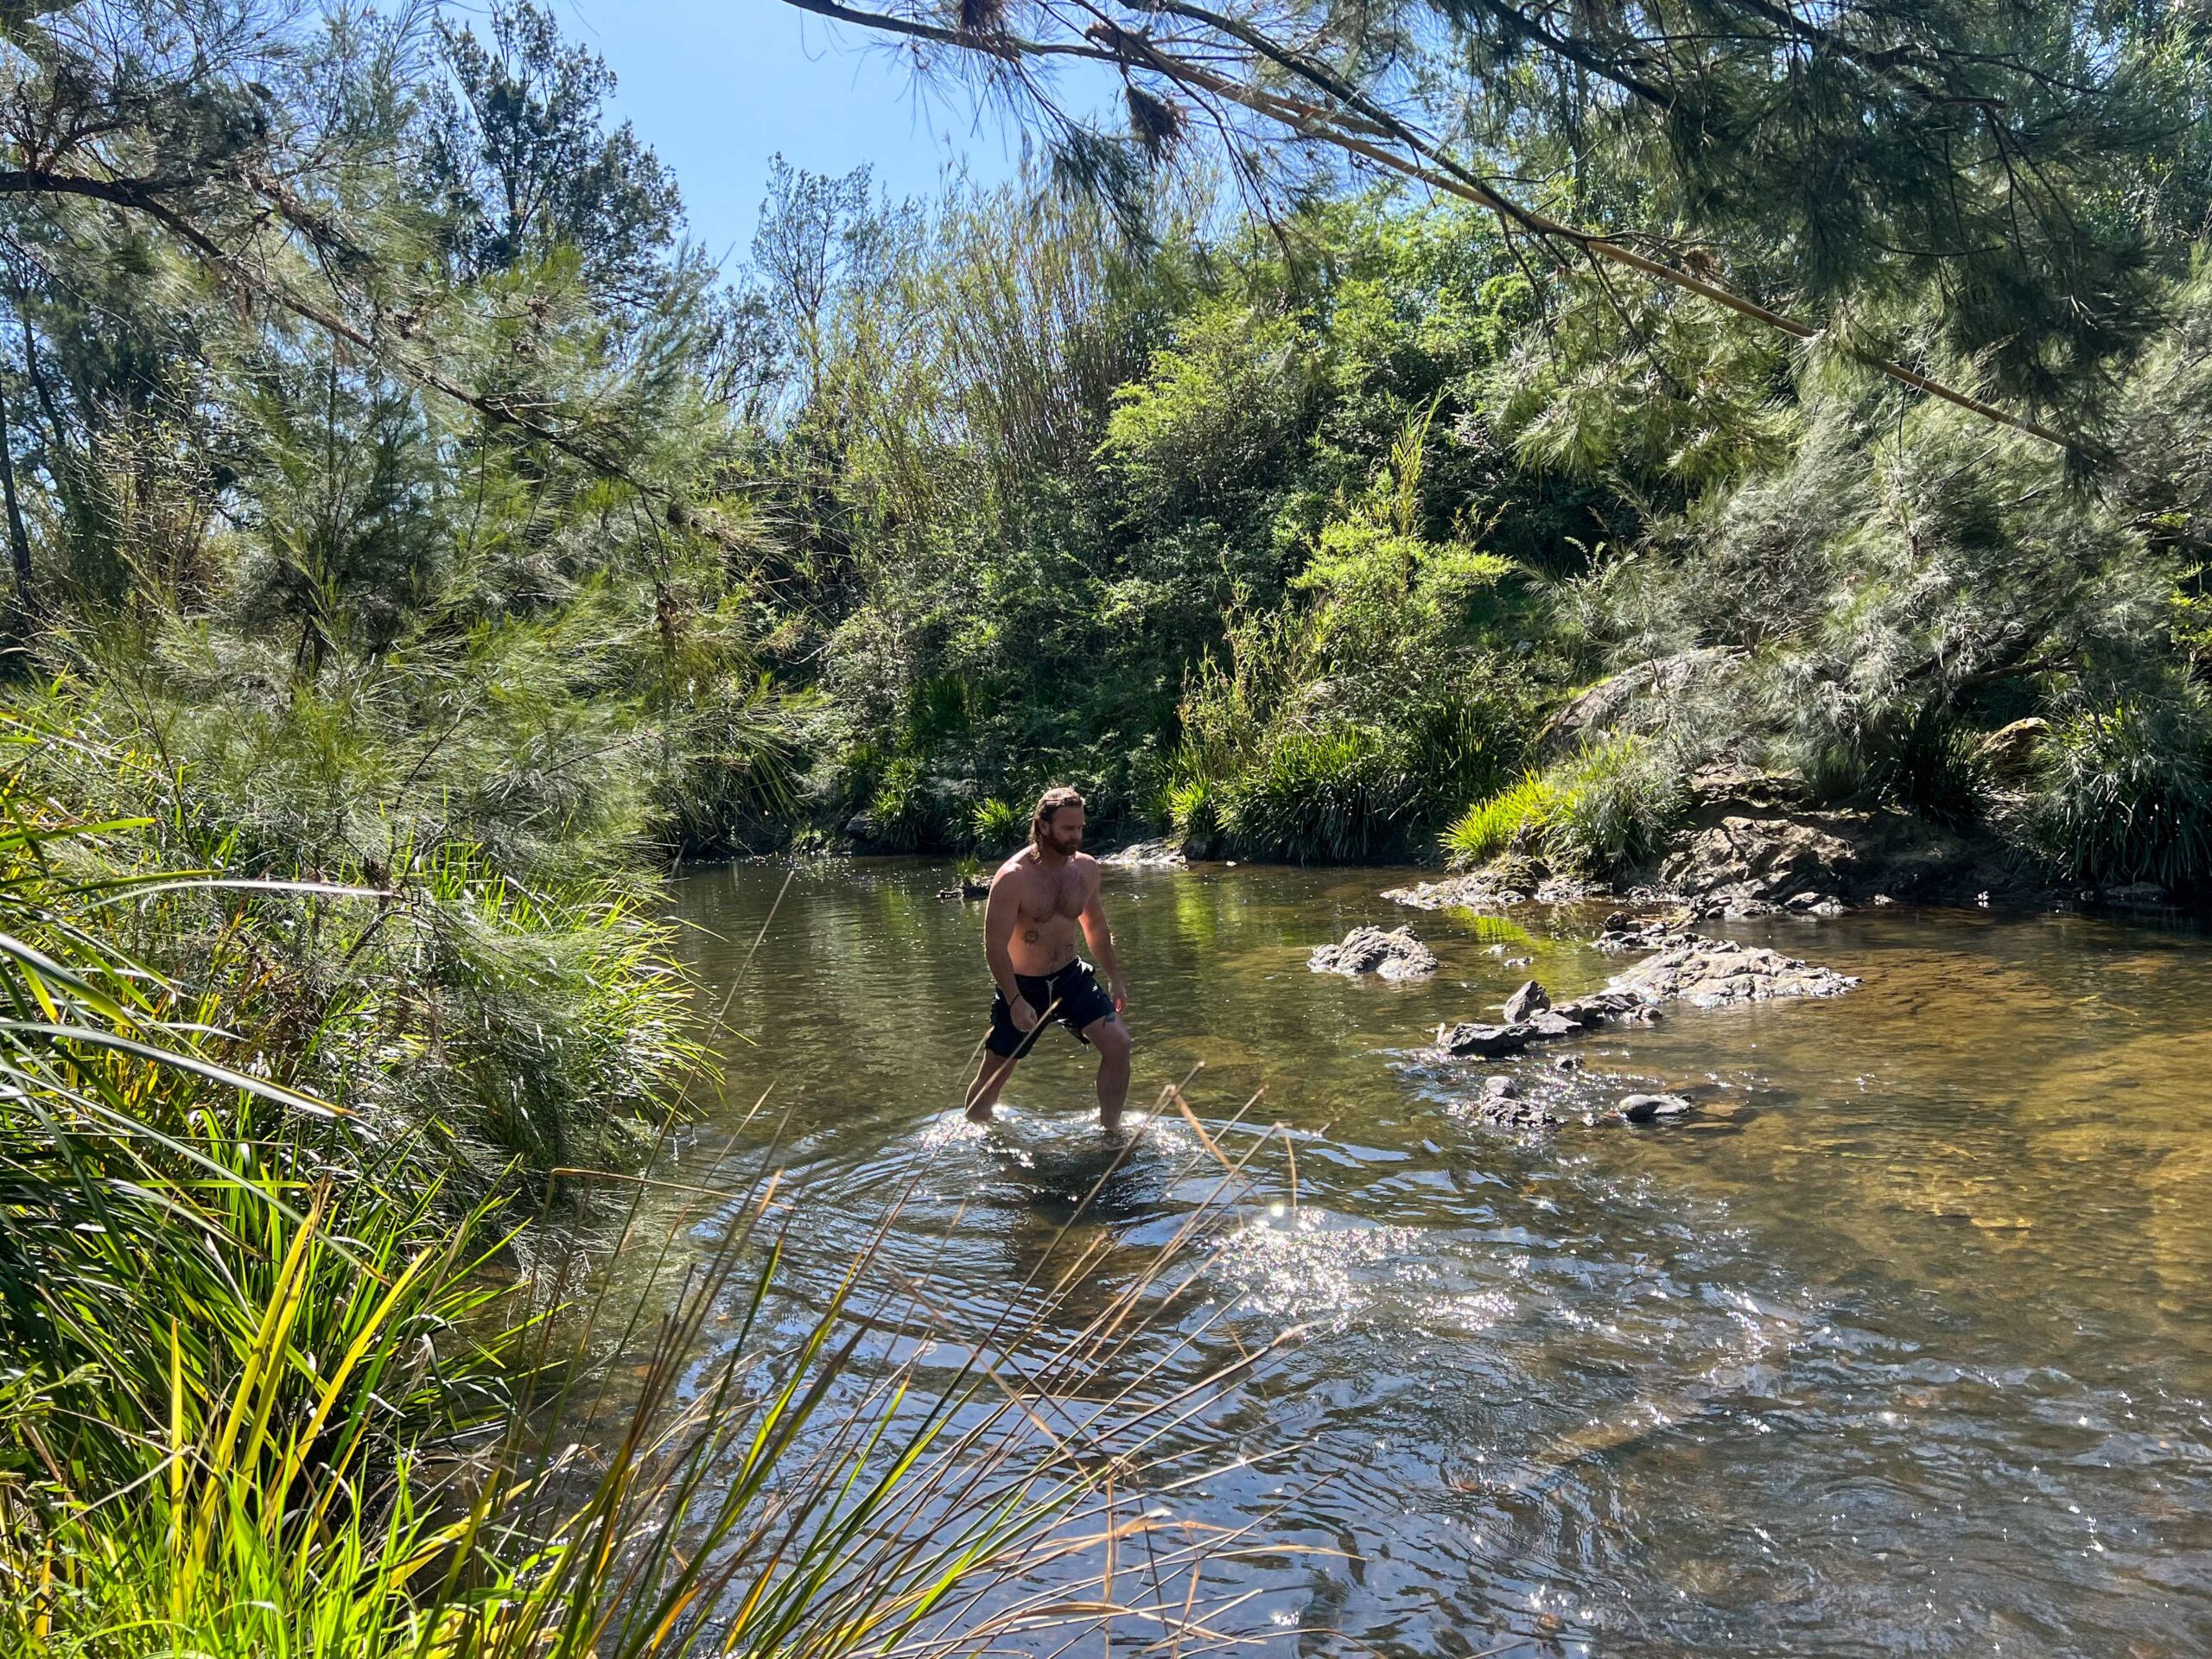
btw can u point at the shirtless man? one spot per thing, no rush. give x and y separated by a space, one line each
1039 898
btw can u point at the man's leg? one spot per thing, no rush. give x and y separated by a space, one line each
991 1077
1110 1037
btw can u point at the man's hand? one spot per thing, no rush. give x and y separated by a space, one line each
1024 1016
1118 989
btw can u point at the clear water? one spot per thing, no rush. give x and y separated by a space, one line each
1906 1348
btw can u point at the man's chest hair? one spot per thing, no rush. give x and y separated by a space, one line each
1044 894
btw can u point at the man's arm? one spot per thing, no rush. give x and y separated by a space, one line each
1100 939
1001 913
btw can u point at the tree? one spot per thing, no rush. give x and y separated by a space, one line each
1965 174
521 153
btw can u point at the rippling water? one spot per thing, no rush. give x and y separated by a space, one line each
1910 1354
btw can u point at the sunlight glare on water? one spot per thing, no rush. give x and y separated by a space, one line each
1903 1347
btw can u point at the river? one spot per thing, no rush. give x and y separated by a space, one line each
1904 1348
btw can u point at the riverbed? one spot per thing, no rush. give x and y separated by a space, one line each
1902 1344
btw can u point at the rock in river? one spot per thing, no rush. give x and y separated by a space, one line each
1531 998
1147 856
1476 892
1715 973
1395 955
1646 1108
1490 1042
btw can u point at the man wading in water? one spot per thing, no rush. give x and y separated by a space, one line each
1038 897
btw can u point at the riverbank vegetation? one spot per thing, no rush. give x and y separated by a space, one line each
416 544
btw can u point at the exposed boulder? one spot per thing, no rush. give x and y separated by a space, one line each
1147 856
1531 998
1740 862
1475 892
1646 1109
970 887
1395 955
1465 1041
1715 973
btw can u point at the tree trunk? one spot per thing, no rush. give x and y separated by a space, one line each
19 543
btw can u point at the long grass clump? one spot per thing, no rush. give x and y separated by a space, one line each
1602 813
276 1383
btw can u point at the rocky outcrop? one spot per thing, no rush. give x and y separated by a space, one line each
1395 955
1716 972
1756 845
1743 865
1147 856
1686 967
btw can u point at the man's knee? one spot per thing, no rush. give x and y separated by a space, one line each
1112 1040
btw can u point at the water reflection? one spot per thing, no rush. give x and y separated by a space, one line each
1904 1348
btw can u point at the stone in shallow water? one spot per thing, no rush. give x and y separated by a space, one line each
1531 998
1715 973
1646 1108
1490 1042
1147 856
1395 955
1549 1023
1457 892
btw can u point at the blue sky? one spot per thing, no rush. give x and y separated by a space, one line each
718 86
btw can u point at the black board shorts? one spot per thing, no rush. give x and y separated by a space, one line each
1073 995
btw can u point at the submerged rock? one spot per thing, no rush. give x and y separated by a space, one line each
1147 856
1716 972
2136 895
1514 1111
1395 955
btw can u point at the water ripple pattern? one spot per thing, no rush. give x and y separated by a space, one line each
1907 1352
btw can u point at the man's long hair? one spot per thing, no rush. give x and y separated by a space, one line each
1040 821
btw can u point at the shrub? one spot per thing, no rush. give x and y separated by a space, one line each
731 778
1514 816
1609 809
1193 816
1340 796
1619 804
2125 797
1000 826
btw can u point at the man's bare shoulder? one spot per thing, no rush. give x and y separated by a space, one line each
1014 866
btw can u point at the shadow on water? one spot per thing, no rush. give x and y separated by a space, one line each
1910 1354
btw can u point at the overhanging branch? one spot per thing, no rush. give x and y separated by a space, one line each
1356 125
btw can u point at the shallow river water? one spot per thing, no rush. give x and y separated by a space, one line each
1914 1356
